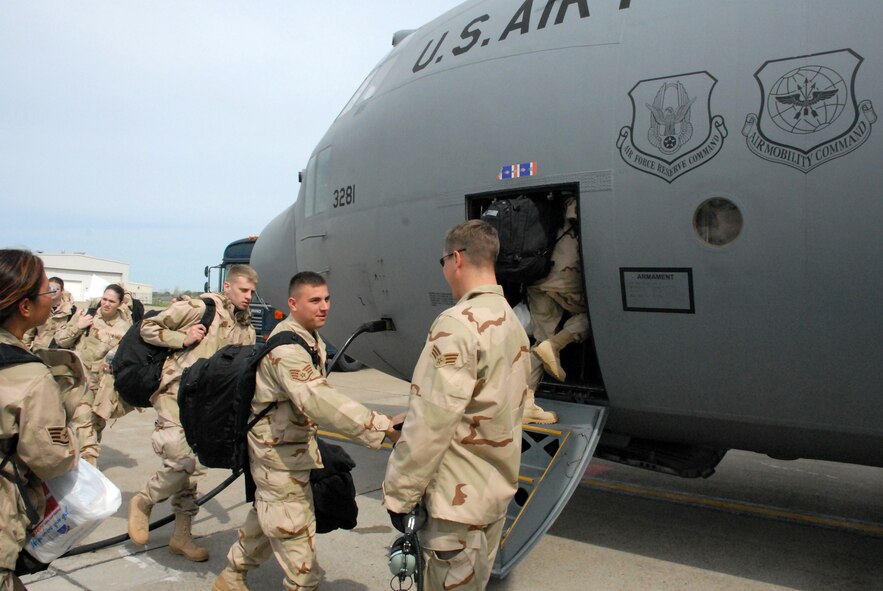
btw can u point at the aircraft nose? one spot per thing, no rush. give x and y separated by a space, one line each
275 259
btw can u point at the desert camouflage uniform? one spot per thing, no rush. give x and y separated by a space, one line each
108 404
177 478
126 306
103 336
30 408
460 448
562 289
41 337
282 450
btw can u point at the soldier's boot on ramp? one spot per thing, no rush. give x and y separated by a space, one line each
548 351
534 414
231 580
182 541
139 519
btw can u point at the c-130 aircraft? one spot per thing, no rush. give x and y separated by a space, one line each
729 180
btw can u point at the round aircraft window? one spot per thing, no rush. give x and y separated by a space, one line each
717 221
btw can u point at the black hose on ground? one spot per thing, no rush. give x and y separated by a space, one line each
154 525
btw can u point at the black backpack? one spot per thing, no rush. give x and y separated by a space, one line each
137 311
527 228
215 400
137 365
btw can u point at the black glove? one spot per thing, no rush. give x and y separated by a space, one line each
397 520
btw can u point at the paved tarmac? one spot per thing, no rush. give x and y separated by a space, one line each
758 524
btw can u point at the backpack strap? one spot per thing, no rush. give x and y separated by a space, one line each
209 315
12 355
30 510
285 337
90 312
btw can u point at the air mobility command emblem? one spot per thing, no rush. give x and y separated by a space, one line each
443 359
808 112
672 130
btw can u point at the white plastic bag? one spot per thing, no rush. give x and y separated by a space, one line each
76 503
523 315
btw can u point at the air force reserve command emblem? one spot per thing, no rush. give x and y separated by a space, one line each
808 111
672 130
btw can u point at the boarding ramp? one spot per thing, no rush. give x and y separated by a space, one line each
553 461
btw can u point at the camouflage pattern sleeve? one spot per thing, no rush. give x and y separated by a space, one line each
443 383
169 327
313 397
68 335
45 443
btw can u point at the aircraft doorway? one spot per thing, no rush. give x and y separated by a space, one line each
558 207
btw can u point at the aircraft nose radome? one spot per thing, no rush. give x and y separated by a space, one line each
275 259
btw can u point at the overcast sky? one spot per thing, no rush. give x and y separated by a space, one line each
156 132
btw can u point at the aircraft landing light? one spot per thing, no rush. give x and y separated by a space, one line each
729 506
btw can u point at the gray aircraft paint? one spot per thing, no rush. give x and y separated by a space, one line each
780 348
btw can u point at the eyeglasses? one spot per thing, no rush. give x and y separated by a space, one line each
53 290
441 261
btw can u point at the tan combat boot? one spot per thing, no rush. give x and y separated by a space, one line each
549 350
139 519
535 414
231 580
182 541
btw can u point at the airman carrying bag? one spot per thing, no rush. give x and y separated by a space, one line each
137 365
215 400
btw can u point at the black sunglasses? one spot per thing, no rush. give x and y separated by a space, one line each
441 261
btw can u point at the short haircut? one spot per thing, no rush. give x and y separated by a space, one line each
242 271
57 280
304 278
117 290
478 238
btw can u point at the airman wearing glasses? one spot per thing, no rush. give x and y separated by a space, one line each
35 444
63 309
460 447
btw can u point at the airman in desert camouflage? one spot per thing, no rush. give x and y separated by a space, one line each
460 446
561 290
33 432
93 337
179 328
62 310
283 449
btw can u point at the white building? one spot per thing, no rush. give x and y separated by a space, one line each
140 291
85 276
